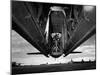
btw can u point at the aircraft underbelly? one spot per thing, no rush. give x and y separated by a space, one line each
57 32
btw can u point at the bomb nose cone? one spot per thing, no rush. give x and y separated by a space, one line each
56 54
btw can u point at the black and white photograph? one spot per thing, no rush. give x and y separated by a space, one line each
52 37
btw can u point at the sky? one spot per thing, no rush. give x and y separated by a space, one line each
20 47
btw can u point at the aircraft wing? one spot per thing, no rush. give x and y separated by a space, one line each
86 28
24 21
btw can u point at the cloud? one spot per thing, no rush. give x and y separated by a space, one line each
88 52
19 44
88 8
20 47
90 41
86 49
84 58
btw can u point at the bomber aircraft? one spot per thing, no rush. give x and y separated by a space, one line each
54 29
